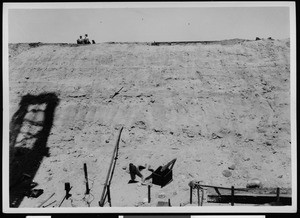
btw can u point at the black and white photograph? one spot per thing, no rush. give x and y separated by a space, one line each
149 107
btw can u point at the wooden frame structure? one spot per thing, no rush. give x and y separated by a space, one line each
232 198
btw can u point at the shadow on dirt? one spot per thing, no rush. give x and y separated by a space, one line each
30 127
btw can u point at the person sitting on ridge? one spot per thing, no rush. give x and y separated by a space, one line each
86 39
80 40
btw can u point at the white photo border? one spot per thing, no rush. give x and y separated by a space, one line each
124 210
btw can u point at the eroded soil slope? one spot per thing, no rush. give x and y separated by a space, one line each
211 106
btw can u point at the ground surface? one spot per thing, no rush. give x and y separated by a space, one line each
212 106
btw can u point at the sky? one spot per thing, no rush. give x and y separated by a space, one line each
147 24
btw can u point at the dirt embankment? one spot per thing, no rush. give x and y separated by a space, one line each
211 106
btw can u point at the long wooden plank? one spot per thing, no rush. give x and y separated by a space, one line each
220 187
104 192
249 199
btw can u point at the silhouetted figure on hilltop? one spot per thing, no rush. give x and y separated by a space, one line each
80 40
86 39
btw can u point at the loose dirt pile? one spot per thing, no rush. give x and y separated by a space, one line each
222 110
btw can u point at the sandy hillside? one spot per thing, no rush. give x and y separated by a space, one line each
210 105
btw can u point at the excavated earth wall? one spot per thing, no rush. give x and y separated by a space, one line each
223 110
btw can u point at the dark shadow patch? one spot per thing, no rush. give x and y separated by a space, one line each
30 127
132 181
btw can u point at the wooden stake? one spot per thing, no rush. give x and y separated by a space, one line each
191 195
198 195
278 194
87 191
149 193
232 195
108 195
202 196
